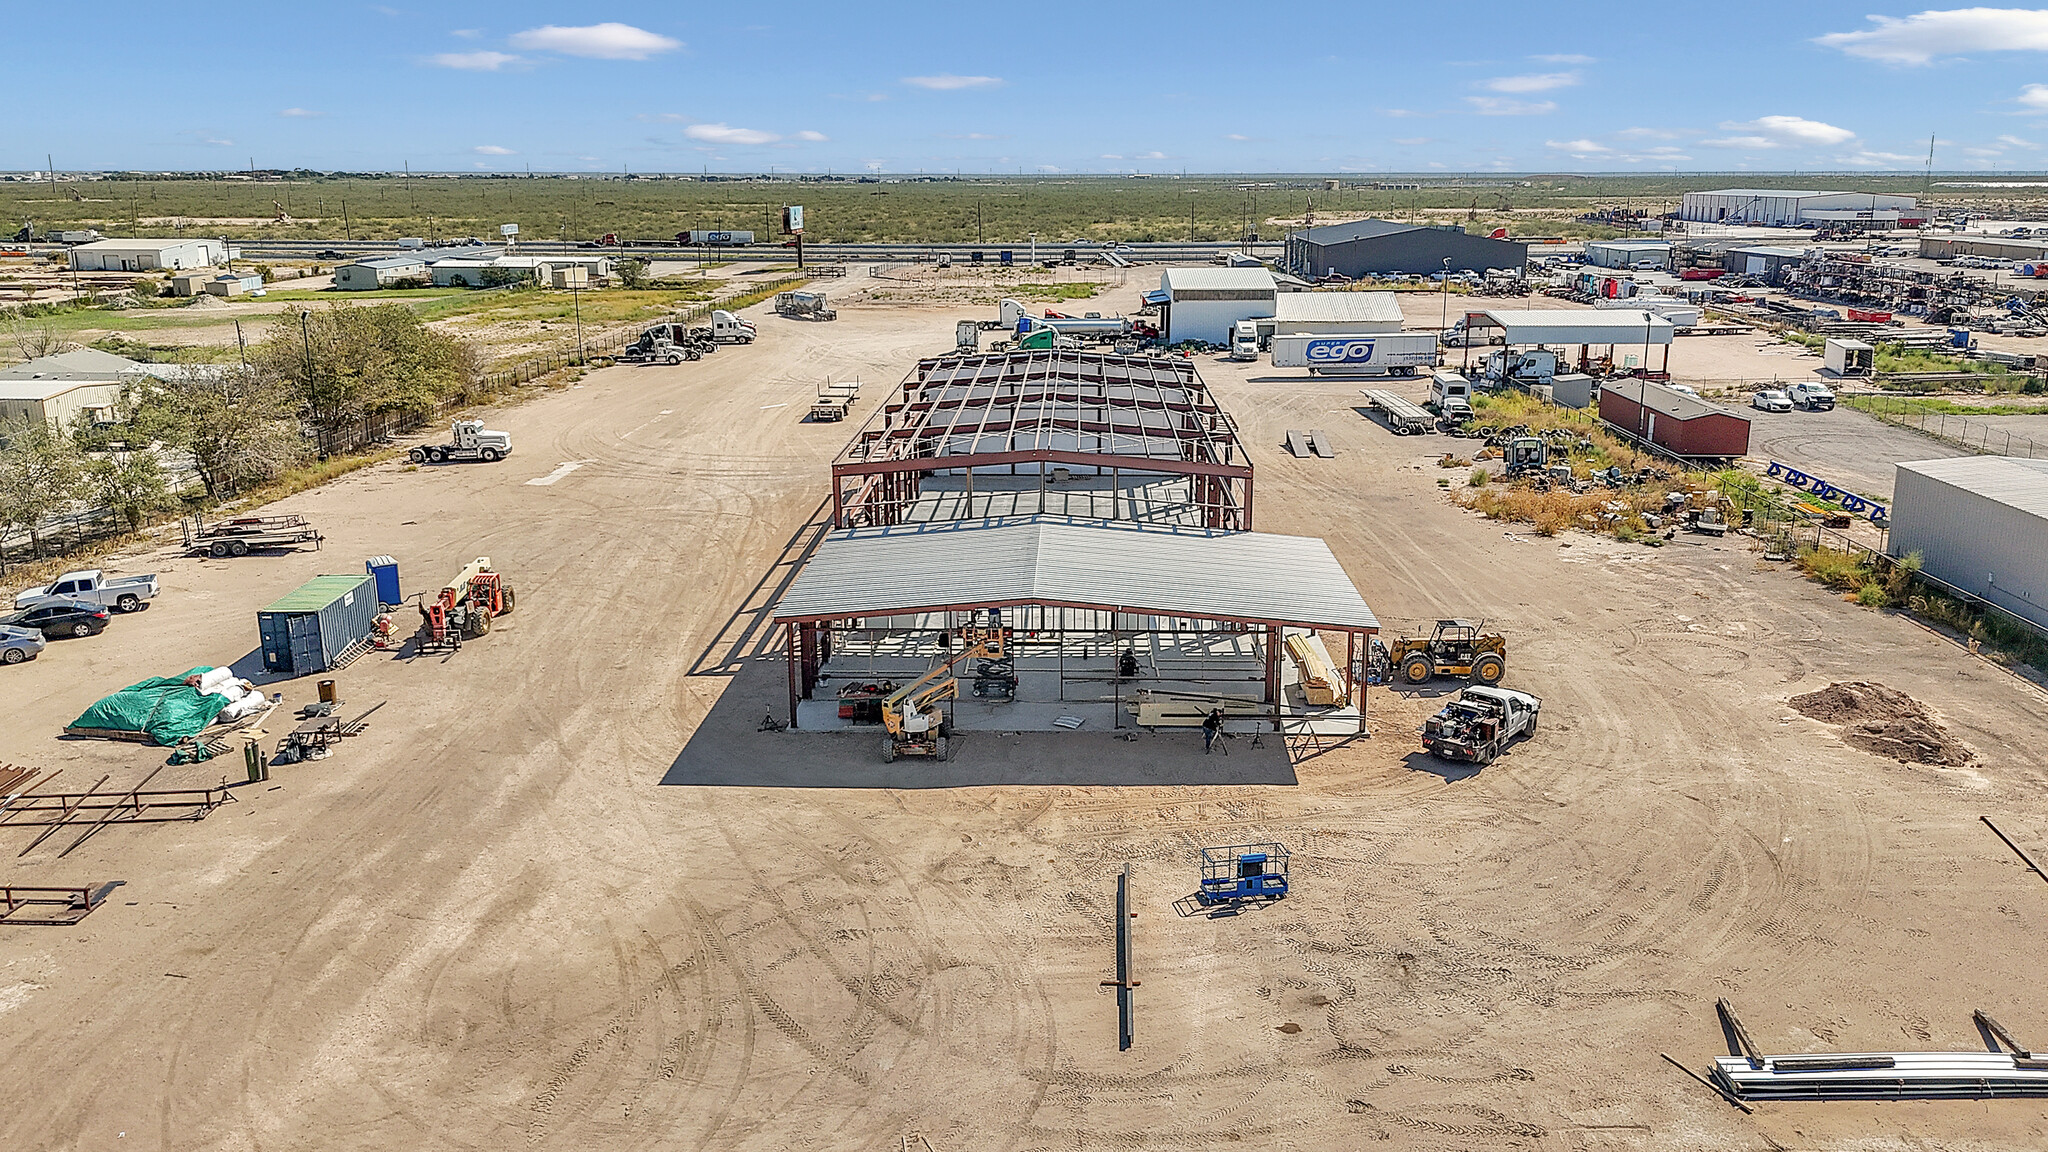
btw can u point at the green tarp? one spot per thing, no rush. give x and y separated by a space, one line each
164 707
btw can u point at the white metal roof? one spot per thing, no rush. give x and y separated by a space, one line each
2014 481
1665 400
1575 326
140 245
1217 280
77 364
1217 575
41 390
1337 308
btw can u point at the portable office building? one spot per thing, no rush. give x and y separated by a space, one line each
311 628
1979 523
1680 424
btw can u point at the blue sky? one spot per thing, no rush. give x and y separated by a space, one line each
903 87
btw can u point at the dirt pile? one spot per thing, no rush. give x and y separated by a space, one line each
1884 721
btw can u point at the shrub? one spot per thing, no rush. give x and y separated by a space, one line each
1834 568
1872 595
1479 478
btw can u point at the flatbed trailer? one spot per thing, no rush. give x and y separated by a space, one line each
244 534
1404 416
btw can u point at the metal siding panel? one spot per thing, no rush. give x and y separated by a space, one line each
1965 538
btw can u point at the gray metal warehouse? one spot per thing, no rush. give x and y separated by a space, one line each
1371 247
1980 524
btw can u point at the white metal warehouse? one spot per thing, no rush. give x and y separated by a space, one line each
1628 253
1340 313
146 255
1980 524
1202 303
1787 208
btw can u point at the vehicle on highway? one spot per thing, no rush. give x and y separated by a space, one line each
1812 395
1771 400
330 254
18 644
91 586
60 618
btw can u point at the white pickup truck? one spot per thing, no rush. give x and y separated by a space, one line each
120 593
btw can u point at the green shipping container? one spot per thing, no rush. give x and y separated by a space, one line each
309 629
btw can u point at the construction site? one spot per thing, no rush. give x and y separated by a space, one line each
851 783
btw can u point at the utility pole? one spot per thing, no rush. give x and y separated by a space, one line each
312 398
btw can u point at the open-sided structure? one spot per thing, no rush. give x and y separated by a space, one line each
1055 432
1563 328
1079 597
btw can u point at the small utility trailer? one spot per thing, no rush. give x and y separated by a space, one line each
244 534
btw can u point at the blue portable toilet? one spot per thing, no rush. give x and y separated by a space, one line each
385 571
1959 337
1006 257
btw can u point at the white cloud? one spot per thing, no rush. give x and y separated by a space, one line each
216 141
300 113
1646 134
1563 58
1502 106
1781 132
2034 97
726 134
1920 38
493 150
1109 156
1577 147
607 41
1051 169
811 137
1411 141
1866 159
1237 137
1403 113
473 61
1983 151
947 82
466 33
1541 82
1150 156
2016 142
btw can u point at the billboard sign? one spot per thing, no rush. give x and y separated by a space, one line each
508 229
793 220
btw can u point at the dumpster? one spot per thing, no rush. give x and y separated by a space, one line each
311 628
384 570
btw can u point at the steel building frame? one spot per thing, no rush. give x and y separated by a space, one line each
1118 415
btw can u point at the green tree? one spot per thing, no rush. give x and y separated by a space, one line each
130 483
39 475
632 273
241 428
364 360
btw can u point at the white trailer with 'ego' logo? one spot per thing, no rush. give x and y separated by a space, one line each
1375 354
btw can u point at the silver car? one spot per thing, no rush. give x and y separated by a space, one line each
19 644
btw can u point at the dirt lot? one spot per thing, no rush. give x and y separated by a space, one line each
563 895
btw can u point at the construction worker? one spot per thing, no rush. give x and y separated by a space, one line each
1211 729
1127 665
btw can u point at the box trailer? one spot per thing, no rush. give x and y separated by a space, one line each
716 239
1847 357
315 626
1364 354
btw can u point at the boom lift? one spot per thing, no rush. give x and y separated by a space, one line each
916 725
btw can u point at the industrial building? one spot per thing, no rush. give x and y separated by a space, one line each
1202 303
1628 253
1096 506
1789 208
1949 246
1653 413
1764 261
60 388
1336 313
146 255
1980 524
381 271
1364 248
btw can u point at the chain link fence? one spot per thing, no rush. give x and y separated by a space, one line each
1975 433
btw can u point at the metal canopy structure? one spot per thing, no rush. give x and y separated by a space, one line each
1235 577
1007 415
1570 326
1235 581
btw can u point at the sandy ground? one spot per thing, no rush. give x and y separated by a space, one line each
563 895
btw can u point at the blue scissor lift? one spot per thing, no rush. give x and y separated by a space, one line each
1243 872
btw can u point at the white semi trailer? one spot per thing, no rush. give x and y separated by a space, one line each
1364 354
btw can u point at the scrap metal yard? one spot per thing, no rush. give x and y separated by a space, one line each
580 884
